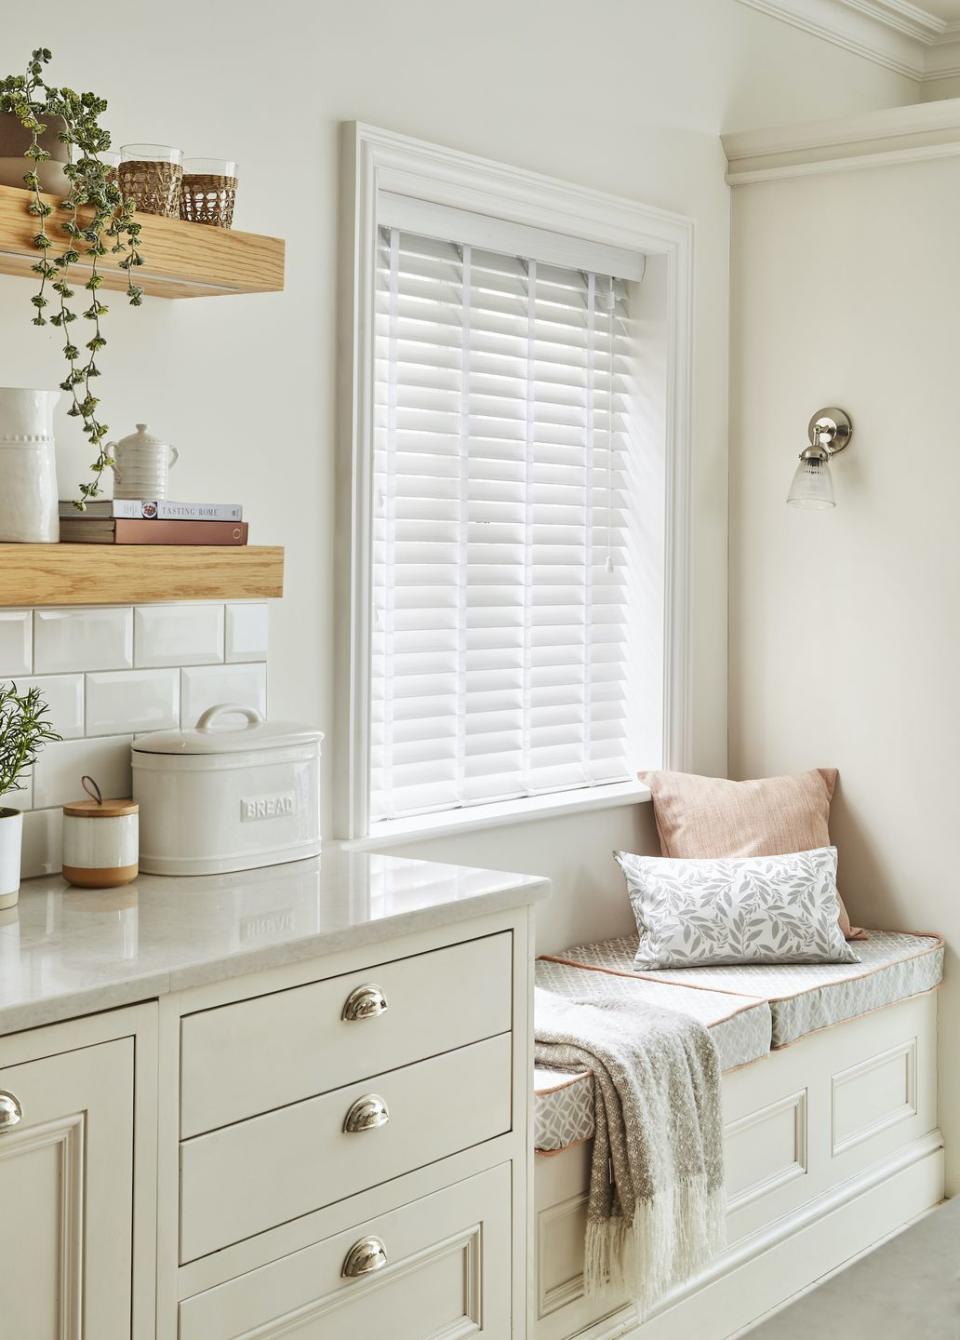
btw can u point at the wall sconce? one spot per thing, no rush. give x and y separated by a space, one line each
829 431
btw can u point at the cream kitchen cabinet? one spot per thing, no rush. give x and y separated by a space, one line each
285 1103
68 1165
344 1144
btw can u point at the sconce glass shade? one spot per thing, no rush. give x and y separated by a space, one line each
812 486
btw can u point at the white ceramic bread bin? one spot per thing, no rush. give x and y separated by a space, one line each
225 796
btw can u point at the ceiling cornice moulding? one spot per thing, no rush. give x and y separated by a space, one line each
902 17
873 139
896 34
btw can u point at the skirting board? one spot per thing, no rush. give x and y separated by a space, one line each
827 1235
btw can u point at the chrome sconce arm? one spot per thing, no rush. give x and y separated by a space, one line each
829 431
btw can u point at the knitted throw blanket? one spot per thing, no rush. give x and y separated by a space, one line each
655 1214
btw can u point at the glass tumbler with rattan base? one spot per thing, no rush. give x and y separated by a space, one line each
151 175
209 191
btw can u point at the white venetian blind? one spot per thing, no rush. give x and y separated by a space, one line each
500 591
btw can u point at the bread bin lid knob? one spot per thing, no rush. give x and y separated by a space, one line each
205 738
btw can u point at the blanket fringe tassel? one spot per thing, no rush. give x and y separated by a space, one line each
672 1236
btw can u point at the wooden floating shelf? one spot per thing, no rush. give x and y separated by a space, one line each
136 574
181 260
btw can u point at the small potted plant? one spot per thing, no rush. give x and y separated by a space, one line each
24 730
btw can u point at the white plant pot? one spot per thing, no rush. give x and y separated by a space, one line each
11 837
29 512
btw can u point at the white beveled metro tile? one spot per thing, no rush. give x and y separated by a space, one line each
177 635
247 627
58 770
16 642
42 843
94 638
208 686
121 701
64 697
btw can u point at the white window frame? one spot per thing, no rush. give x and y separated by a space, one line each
374 160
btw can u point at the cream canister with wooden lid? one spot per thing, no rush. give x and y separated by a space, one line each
101 840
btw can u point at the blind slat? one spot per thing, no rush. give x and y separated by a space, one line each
501 507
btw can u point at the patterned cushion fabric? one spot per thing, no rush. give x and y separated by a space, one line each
803 998
745 1008
755 909
806 997
700 817
562 1109
563 1103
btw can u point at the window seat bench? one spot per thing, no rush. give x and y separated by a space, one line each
829 1096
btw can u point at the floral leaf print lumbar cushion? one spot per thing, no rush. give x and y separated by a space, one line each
749 909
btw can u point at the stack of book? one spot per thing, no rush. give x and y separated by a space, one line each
132 521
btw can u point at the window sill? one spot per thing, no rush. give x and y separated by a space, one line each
394 832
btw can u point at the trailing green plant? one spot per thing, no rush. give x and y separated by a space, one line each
95 213
24 730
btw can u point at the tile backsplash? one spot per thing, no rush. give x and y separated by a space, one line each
110 672
96 638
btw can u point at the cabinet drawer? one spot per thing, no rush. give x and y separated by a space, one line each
246 1178
441 1269
244 1059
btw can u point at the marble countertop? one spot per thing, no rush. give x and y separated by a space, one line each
66 952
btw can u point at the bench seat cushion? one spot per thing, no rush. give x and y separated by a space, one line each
740 1027
748 1009
803 997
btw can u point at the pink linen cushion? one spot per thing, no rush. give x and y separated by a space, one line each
701 817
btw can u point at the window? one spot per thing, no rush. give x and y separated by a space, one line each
502 503
516 384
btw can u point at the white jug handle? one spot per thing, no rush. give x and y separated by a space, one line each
174 457
206 720
111 448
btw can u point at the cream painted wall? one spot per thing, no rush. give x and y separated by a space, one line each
575 851
625 95
934 89
844 644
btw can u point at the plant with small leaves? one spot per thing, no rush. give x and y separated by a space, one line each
24 730
96 214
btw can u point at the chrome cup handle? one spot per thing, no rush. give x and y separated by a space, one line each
366 1114
11 1113
364 1002
363 1258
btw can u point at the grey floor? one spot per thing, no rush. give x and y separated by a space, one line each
908 1289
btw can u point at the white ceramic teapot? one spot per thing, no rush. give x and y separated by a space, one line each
140 465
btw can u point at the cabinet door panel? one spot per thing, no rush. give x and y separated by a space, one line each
66 1188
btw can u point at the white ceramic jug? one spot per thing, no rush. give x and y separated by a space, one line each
140 465
29 513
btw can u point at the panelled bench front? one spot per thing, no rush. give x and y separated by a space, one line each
829 1094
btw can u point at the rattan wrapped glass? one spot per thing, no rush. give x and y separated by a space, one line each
209 191
151 174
